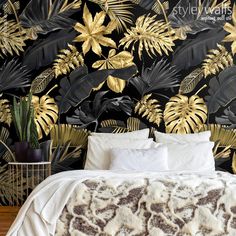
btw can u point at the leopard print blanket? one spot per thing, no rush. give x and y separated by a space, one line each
182 205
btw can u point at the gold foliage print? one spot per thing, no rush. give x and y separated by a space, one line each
226 137
115 61
92 33
150 109
183 115
11 37
64 133
231 29
217 60
155 36
45 112
67 60
117 10
5 112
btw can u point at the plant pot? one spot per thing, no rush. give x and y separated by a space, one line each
34 155
21 149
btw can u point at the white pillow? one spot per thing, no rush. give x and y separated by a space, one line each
191 156
98 156
138 134
153 159
182 138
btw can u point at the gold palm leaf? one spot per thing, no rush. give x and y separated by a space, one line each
117 10
5 112
45 113
150 109
218 152
64 133
226 137
217 60
183 115
67 60
115 61
155 36
12 38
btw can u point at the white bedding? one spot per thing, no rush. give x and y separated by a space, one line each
40 213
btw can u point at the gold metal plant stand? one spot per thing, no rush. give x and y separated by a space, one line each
25 177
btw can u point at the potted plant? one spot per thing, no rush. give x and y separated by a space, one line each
34 153
22 113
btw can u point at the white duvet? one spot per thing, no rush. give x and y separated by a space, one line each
40 213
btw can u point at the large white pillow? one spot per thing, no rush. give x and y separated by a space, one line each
182 138
153 159
98 156
191 156
138 134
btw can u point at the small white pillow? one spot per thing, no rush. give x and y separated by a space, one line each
138 134
98 155
191 156
153 159
182 138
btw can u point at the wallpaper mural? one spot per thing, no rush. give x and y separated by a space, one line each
69 67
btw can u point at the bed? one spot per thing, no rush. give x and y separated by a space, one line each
193 201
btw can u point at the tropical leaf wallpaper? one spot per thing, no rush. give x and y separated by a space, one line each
118 66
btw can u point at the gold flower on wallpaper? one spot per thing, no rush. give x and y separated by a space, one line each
115 61
150 109
5 112
155 36
67 59
231 29
184 115
45 112
92 33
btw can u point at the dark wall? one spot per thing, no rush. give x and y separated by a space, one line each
184 78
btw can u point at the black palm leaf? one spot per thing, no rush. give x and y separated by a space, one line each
46 15
90 111
193 51
13 75
44 51
222 90
80 84
161 75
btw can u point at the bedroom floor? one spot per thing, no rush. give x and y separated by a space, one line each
7 216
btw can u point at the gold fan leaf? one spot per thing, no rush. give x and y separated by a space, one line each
45 113
115 61
132 125
64 133
12 37
189 83
40 83
117 10
92 33
183 115
155 36
231 29
234 163
225 4
67 60
217 60
5 112
150 109
226 137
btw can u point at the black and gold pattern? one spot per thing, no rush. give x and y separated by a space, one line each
170 65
